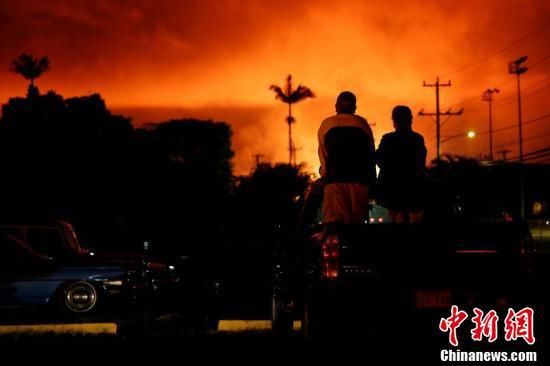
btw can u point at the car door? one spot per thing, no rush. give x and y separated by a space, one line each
36 283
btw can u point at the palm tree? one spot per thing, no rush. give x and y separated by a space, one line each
29 67
290 96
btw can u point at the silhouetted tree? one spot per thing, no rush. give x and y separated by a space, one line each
64 158
291 96
30 68
267 196
183 176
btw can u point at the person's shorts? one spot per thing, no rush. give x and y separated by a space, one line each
346 203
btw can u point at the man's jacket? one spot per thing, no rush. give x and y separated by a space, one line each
346 150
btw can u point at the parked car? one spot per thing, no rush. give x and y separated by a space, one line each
56 269
75 286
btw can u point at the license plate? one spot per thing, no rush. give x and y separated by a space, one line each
433 299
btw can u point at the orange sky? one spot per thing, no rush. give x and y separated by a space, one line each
155 60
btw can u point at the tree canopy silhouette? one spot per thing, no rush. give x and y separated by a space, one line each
267 195
29 67
71 158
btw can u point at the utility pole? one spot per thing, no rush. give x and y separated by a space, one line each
294 150
438 113
258 158
487 96
292 153
504 153
514 67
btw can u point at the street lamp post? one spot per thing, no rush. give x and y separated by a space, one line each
515 67
487 96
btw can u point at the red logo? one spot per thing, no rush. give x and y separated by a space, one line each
516 325
452 323
485 326
519 325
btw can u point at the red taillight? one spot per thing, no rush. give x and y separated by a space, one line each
330 257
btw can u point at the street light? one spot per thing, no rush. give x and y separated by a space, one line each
515 67
470 134
487 96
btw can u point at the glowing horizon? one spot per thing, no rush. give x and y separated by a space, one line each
216 59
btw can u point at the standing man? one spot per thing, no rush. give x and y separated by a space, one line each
401 157
346 152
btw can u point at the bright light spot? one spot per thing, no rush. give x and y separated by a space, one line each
471 134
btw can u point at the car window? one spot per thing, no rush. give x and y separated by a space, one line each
46 241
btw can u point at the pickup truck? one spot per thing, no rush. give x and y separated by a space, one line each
59 273
388 279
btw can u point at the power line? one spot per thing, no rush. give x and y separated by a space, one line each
536 83
534 120
509 99
512 143
527 139
445 121
471 99
509 127
476 98
499 52
540 61
532 157
539 151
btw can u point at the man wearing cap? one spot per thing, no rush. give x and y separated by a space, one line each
401 157
346 153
